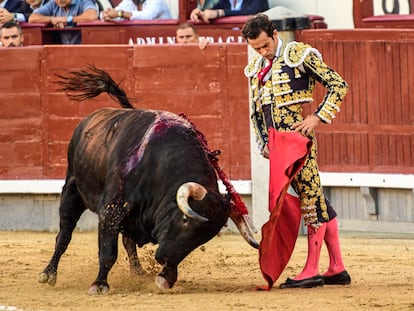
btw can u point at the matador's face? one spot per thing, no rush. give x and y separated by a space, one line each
265 45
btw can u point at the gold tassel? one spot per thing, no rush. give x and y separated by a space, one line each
297 72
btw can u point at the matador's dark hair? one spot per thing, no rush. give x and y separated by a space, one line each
255 25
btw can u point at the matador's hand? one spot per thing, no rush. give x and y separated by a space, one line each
306 126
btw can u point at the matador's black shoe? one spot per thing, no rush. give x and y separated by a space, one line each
342 278
305 283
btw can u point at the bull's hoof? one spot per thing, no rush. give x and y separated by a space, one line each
49 278
162 283
98 289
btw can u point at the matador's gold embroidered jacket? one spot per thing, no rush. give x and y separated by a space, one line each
294 72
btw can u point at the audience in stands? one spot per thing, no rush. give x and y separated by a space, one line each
138 10
26 9
11 35
8 8
65 13
229 8
187 33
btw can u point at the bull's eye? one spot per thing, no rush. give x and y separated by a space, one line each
185 218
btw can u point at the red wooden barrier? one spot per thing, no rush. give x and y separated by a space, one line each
37 120
374 132
21 125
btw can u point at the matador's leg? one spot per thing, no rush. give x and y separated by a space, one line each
314 211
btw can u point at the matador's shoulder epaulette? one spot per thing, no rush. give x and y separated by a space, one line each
253 67
296 52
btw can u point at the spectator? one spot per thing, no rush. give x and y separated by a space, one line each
229 8
66 13
7 10
138 10
187 33
11 35
10 5
26 9
206 4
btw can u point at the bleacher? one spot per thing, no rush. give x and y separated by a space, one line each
225 29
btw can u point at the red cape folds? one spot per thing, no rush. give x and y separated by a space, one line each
287 152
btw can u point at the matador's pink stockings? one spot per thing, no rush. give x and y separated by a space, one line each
315 240
336 264
328 232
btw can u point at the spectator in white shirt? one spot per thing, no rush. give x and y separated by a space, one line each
138 10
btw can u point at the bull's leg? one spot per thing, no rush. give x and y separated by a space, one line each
108 251
134 263
70 210
110 218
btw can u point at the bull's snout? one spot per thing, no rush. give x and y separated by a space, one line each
166 278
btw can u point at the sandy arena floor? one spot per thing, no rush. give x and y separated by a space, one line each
221 275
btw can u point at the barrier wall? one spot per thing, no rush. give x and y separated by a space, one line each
374 132
366 155
37 120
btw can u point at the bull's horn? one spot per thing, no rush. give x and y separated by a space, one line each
244 228
194 190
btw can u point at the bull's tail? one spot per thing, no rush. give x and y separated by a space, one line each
90 84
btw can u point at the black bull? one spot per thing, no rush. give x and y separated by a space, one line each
147 176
